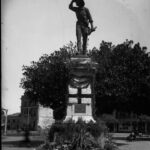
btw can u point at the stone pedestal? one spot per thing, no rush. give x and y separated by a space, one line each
81 95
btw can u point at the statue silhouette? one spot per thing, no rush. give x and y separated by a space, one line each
82 25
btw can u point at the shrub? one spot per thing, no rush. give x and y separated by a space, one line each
80 135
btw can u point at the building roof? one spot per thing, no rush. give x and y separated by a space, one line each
14 115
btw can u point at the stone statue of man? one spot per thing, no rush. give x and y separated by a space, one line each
82 25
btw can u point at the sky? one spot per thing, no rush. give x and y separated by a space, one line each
31 28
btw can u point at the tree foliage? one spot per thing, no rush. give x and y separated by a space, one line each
122 79
46 80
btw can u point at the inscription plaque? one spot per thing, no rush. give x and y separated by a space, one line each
80 108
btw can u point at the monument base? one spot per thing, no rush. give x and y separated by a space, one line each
81 88
76 118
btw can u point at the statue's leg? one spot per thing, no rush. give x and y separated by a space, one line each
78 34
85 38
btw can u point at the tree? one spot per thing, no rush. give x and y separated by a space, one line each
46 81
122 79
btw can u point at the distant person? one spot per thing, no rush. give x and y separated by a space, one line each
131 136
136 132
82 25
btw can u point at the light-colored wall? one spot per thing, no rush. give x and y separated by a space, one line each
45 117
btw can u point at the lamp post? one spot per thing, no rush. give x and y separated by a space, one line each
6 121
28 118
5 115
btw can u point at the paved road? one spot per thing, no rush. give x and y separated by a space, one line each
134 145
137 145
143 145
16 143
11 143
11 148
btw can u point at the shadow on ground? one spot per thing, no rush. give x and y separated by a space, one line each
22 143
137 139
120 144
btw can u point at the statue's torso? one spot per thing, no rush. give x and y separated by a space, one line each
82 16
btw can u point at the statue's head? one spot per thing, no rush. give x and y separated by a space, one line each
80 3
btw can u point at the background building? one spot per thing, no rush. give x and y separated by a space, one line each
126 122
34 116
14 121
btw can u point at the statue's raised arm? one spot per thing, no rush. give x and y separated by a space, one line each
71 7
83 30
